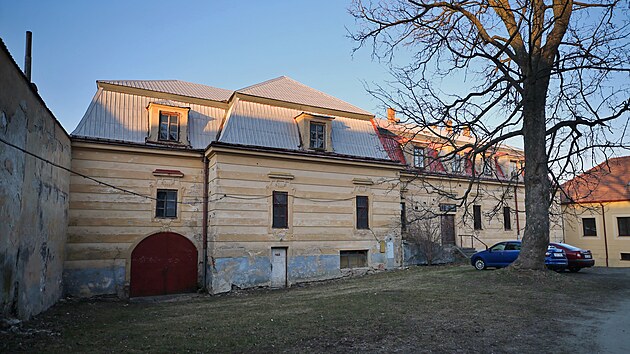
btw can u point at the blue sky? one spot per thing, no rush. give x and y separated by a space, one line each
226 44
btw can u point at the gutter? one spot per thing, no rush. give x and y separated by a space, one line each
518 226
204 223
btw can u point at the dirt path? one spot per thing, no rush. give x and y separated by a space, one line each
613 334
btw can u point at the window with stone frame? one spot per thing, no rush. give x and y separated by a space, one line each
280 210
363 212
419 155
623 226
353 259
166 203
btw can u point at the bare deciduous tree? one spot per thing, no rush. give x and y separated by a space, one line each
424 234
552 72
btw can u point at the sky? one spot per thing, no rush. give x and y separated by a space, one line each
226 44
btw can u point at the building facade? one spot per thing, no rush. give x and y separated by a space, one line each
186 186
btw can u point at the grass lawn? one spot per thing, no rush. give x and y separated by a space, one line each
421 309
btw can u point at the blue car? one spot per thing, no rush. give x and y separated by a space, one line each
504 253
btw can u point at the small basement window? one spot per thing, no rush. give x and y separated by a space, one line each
625 256
353 259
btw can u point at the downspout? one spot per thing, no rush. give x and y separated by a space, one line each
518 226
605 236
204 223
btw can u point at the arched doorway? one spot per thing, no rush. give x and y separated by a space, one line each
163 263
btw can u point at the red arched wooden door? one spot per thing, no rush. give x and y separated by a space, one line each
164 263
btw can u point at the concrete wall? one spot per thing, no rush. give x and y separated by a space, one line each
106 224
321 217
607 240
33 197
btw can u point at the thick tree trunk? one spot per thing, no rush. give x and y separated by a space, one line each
537 184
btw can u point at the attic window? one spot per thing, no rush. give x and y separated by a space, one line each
418 156
169 126
317 136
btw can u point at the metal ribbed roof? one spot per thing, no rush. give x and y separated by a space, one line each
123 117
176 87
288 90
263 125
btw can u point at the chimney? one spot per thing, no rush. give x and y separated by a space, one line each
466 132
27 57
449 126
391 115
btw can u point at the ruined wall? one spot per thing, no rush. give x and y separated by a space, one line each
322 217
33 197
106 224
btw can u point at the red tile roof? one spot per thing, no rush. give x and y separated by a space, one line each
606 182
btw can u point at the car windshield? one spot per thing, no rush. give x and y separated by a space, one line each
569 247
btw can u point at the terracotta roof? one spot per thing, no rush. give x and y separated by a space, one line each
606 182
286 89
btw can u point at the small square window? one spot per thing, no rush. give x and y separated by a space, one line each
280 210
166 204
589 227
317 136
477 217
353 259
625 256
623 224
362 212
418 156
169 126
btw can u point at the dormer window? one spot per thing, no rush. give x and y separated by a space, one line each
456 164
487 166
419 154
315 131
168 123
169 126
317 136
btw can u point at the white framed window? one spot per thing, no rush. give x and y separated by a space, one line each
456 164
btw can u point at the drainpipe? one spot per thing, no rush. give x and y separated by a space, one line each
204 223
518 226
605 236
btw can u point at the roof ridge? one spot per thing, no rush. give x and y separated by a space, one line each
264 83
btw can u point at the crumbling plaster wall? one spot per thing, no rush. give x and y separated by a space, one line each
33 197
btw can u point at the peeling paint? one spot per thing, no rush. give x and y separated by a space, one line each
94 281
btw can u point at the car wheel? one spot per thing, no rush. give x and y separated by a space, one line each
480 264
574 270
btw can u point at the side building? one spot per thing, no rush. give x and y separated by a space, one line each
596 212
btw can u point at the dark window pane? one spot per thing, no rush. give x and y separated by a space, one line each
477 216
589 227
362 212
166 203
624 226
625 256
507 220
280 210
